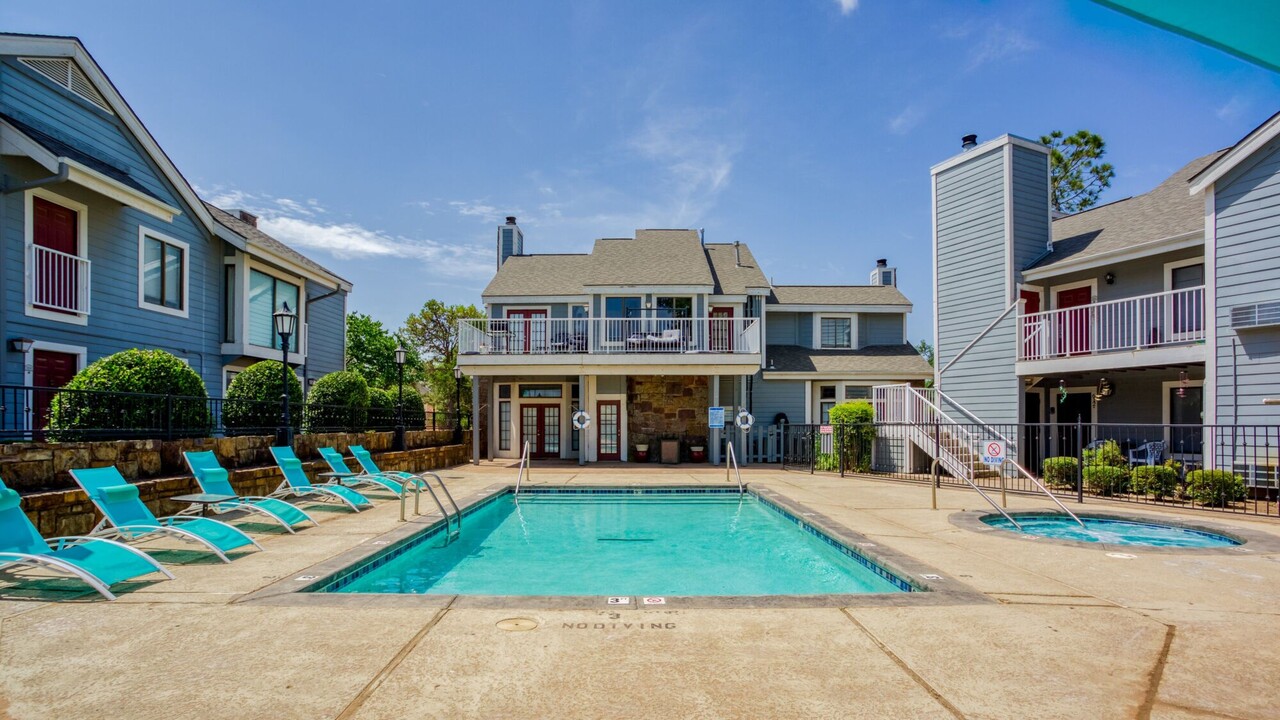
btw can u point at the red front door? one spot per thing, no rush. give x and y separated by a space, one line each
1032 328
608 433
57 229
540 427
48 370
528 331
722 329
1073 325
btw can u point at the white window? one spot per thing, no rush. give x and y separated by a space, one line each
162 273
836 332
266 295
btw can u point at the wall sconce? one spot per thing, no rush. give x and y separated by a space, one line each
1110 278
1105 389
22 345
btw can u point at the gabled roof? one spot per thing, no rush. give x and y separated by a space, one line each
1165 213
837 295
64 148
70 47
731 276
273 249
1236 154
654 257
883 359
540 275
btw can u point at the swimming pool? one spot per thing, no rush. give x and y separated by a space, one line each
621 542
1112 531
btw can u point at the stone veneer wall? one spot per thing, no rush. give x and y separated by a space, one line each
69 512
666 406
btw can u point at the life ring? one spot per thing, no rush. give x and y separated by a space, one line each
745 420
581 420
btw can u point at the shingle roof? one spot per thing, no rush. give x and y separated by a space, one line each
254 236
893 359
730 277
66 149
540 275
654 257
1166 211
837 295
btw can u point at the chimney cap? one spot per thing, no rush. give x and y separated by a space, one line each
882 262
968 141
511 219
247 217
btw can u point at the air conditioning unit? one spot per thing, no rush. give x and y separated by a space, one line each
1266 314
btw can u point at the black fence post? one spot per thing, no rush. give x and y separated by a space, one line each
168 416
839 438
813 449
1080 457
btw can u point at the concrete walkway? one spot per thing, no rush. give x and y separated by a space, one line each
1073 633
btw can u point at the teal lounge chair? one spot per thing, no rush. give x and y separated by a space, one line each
297 484
213 480
99 562
365 459
125 516
378 480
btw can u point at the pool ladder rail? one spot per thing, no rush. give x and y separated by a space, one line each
452 522
524 466
731 466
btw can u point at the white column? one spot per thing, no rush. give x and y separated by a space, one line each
584 435
475 421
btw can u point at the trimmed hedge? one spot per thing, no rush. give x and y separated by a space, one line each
1215 488
252 406
1106 479
1060 472
72 415
382 409
339 402
857 434
1158 481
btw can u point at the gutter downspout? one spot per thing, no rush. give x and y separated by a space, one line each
310 300
64 173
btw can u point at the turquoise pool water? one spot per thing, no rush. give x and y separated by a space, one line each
1112 532
622 544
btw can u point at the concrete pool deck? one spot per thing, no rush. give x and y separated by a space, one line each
1063 632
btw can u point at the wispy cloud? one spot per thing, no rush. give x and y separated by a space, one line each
304 225
694 152
476 209
1234 108
847 6
990 41
906 121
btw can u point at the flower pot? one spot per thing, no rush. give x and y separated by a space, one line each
642 452
697 453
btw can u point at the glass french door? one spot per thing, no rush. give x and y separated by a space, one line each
609 435
528 329
540 427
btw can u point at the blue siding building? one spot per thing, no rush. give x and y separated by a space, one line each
104 246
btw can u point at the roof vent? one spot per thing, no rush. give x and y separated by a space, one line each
1266 314
67 75
247 217
737 253
968 142
511 219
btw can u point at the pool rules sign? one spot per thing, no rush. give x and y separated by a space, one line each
993 453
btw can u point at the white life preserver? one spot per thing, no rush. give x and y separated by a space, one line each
745 420
581 420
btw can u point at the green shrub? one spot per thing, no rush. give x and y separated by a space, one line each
1060 472
339 402
382 409
1107 454
252 406
79 415
855 432
1106 479
1215 488
1159 481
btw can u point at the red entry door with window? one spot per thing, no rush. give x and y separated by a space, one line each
48 370
608 433
1073 323
721 329
540 427
528 332
56 229
1032 328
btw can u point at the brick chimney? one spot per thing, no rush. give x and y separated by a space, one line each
247 217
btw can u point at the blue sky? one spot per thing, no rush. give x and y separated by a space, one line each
388 139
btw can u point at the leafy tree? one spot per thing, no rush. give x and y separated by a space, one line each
1074 173
433 332
371 352
926 351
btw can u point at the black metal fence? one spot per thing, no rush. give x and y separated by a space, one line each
26 412
1226 468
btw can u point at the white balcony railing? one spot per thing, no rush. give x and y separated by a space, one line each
58 281
1175 317
608 336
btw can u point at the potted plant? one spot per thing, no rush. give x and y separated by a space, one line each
697 450
642 452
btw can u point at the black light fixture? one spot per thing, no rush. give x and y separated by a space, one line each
1110 278
397 442
1182 383
22 345
286 323
457 402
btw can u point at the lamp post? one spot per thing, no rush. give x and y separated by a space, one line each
286 322
457 403
398 442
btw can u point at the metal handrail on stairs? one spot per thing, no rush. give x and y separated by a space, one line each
731 463
524 465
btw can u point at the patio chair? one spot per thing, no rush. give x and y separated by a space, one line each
99 562
669 340
379 481
1150 453
296 483
365 459
125 516
213 479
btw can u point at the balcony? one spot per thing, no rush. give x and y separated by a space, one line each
610 341
57 282
1148 329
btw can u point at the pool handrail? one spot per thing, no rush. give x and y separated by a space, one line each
731 459
1044 490
524 465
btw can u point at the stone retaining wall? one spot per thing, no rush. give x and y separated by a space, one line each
32 467
666 406
69 512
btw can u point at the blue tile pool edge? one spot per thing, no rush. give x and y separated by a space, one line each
1233 541
336 581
